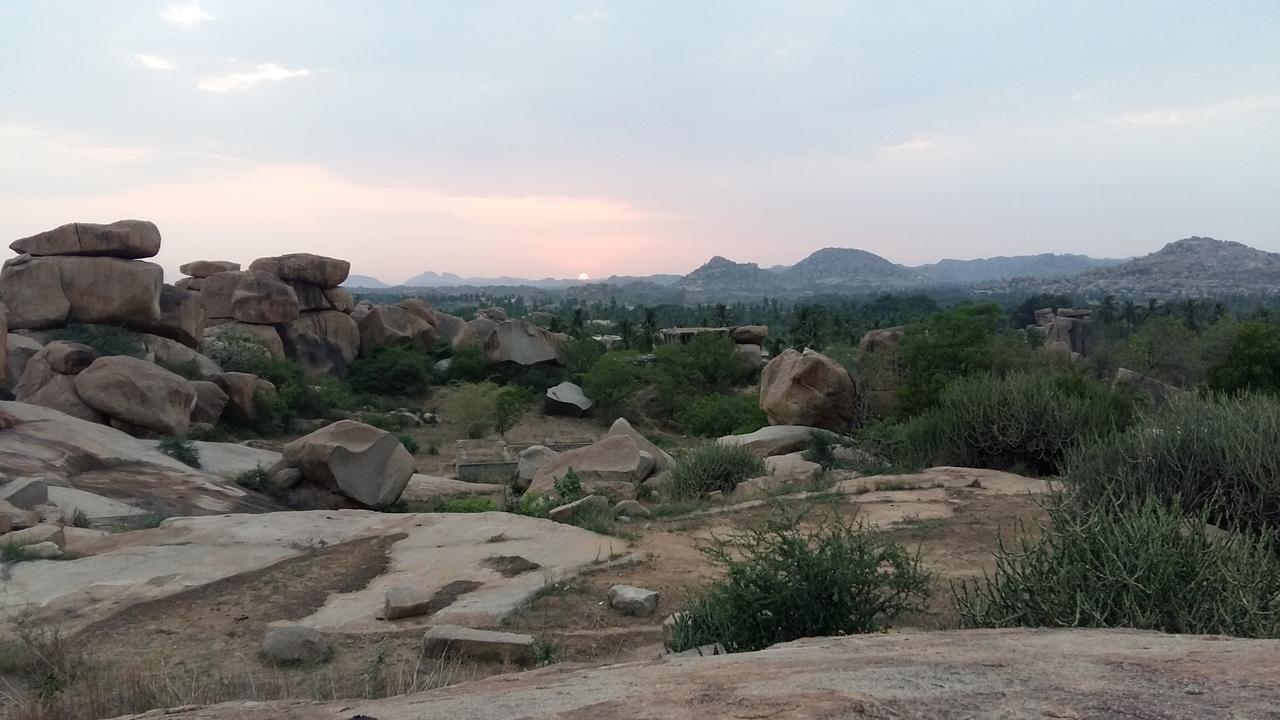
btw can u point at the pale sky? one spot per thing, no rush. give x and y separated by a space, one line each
554 138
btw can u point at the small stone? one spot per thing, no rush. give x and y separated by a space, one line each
295 644
630 508
403 602
631 600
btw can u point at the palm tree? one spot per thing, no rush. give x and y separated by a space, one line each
627 331
1107 313
1189 314
1129 314
648 329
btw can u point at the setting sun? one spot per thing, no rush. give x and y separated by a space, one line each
583 276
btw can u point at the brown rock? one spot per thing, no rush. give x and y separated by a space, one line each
242 390
43 384
607 467
205 268
749 334
263 299
360 461
326 272
455 330
808 389
340 299
182 316
139 393
190 283
211 400
324 342
50 291
393 324
481 329
523 343
216 292
129 239
310 297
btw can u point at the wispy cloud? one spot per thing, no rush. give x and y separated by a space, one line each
69 144
155 62
591 16
1171 117
186 15
246 80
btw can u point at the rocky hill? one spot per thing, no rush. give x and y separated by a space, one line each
722 276
1192 267
364 281
1045 265
848 267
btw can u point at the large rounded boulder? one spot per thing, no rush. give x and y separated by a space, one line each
360 461
523 343
138 393
808 389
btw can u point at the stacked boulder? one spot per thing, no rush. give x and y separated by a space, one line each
408 322
1067 332
808 389
750 340
85 273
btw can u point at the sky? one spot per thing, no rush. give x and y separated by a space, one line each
538 138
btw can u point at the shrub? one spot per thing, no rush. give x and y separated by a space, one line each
1020 421
1250 360
106 339
472 407
947 346
467 365
711 467
255 479
180 449
581 354
612 384
1164 348
709 363
399 370
822 451
718 415
787 580
569 487
1149 567
465 505
408 442
1216 454
534 505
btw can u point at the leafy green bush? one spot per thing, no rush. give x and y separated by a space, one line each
1021 421
569 487
465 505
1149 567
718 415
1164 348
1214 454
467 365
471 406
534 505
709 363
106 339
408 442
822 450
951 345
256 479
612 384
787 580
580 355
180 449
711 467
396 370
1250 360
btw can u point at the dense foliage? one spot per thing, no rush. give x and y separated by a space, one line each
712 467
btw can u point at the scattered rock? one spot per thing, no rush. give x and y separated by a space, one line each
295 644
42 384
404 602
662 459
569 512
129 239
808 389
15 518
19 349
631 600
42 551
567 399
455 330
138 392
360 461
630 508
792 468
454 640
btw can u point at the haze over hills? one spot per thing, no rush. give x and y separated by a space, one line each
1195 266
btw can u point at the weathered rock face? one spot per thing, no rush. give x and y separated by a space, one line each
139 393
48 379
324 342
567 399
216 292
610 466
523 343
808 389
391 325
455 330
1067 332
481 328
749 334
173 354
182 316
340 299
241 390
325 272
310 297
205 268
263 299
264 336
19 349
43 292
362 462
129 239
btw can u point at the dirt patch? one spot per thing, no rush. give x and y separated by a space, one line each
510 565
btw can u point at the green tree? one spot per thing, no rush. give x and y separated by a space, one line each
612 383
946 346
1164 348
509 404
1251 361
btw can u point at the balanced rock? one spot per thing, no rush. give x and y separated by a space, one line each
458 641
139 393
129 239
263 299
43 292
808 389
567 399
340 299
326 272
750 334
523 343
360 461
205 268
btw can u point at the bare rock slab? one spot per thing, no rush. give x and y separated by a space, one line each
455 640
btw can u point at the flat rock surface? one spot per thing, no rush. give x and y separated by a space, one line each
430 552
1005 674
425 488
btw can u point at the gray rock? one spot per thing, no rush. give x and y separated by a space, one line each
646 466
454 640
530 462
661 457
631 600
25 493
205 268
43 551
567 399
404 602
295 644
360 461
210 402
20 349
778 439
571 511
131 239
630 508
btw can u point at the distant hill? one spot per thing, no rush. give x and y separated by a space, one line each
847 267
1193 267
1046 265
722 276
444 280
364 281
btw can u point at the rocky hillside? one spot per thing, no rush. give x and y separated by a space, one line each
848 267
1045 265
1193 267
722 276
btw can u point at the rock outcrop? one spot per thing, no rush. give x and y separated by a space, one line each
50 291
48 379
523 343
395 324
808 389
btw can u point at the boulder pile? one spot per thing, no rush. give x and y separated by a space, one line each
1067 333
